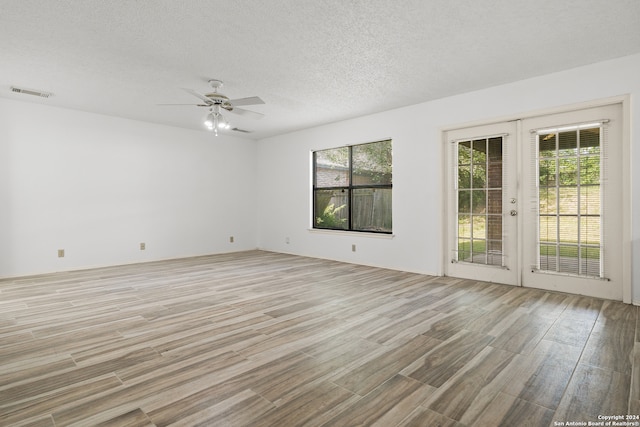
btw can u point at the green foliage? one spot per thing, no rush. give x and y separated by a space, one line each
565 162
472 174
333 157
330 217
568 251
465 247
372 162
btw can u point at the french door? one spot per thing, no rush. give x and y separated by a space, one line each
483 203
538 202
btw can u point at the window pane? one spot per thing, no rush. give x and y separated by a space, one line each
494 246
464 153
590 261
372 163
479 153
494 175
331 209
495 149
590 141
590 170
464 226
590 200
568 144
547 171
479 172
548 200
464 201
548 259
371 209
464 177
494 228
478 201
548 145
479 225
548 229
479 249
494 202
464 250
568 259
568 228
568 171
332 167
494 252
590 230
568 200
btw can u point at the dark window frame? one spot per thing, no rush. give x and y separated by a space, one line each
350 189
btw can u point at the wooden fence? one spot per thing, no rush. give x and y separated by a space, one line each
371 209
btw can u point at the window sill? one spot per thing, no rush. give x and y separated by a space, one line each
352 233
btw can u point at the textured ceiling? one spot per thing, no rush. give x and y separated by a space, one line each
311 61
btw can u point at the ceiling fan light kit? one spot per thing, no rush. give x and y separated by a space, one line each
214 120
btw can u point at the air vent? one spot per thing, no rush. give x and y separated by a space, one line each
31 92
241 130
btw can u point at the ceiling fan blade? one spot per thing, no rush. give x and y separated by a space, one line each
247 113
242 130
198 105
252 100
198 95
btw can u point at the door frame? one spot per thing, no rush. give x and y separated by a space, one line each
625 102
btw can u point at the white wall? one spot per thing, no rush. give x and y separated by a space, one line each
284 166
98 186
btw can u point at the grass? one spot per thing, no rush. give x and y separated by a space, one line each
567 248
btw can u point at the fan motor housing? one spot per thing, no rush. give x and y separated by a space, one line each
217 98
220 99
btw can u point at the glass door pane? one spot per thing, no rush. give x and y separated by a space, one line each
569 197
479 195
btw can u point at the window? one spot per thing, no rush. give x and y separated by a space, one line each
352 188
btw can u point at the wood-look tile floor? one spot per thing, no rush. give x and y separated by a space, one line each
264 339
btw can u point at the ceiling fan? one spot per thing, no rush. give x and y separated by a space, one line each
216 101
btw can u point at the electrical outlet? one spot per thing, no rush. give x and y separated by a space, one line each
143 246
353 248
60 253
231 239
